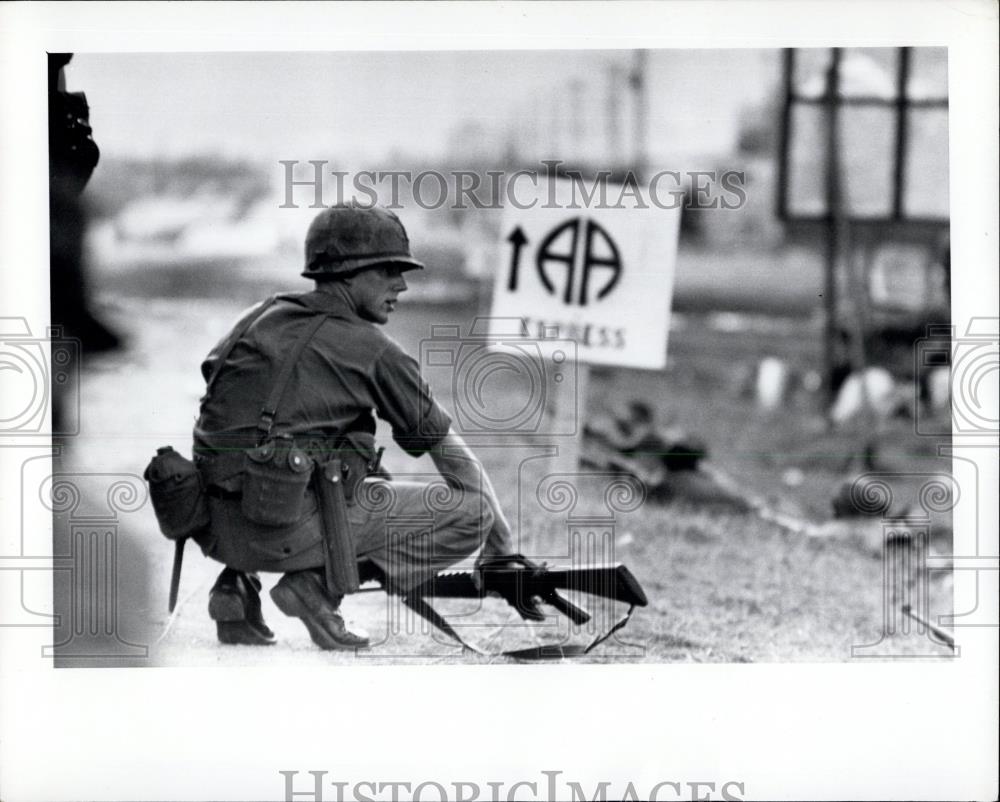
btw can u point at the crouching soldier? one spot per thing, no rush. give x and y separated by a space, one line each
286 449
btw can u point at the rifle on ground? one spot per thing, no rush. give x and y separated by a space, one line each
519 584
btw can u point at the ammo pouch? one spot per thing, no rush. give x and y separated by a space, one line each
276 476
177 493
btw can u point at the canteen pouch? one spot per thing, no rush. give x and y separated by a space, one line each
276 478
177 493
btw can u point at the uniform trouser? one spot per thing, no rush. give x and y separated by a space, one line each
410 530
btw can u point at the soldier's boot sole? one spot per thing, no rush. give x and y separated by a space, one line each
231 624
240 633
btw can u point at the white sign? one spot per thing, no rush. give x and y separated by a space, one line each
601 276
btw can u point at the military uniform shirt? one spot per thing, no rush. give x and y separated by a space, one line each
348 371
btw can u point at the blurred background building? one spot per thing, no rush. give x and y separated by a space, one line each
192 145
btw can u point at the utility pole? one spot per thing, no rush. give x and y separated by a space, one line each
834 211
577 118
638 85
614 113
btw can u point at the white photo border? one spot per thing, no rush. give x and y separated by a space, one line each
844 731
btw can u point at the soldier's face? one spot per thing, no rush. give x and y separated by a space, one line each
376 291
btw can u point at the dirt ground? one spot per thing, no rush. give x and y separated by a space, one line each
723 586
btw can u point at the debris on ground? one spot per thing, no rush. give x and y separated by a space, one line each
667 460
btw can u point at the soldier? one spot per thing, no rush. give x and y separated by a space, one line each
299 381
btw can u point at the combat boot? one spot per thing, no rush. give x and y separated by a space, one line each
302 594
234 605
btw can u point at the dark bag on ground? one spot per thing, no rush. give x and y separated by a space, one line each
276 478
177 493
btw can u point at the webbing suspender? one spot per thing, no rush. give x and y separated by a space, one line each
235 336
270 410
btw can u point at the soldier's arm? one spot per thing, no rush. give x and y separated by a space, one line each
462 469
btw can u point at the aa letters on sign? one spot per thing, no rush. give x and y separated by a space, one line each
602 277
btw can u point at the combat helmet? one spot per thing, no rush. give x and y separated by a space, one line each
349 237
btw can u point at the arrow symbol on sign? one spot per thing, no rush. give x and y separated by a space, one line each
518 240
